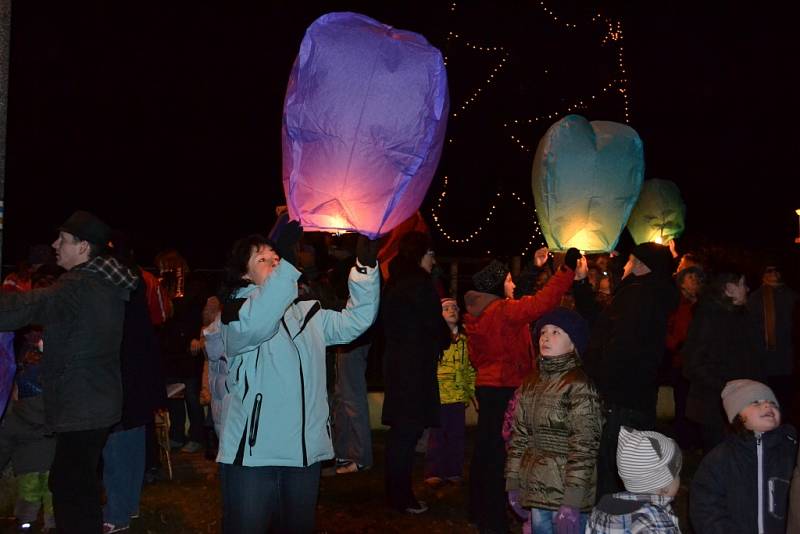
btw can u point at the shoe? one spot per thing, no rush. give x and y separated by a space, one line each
433 482
191 446
455 480
135 515
351 467
25 527
419 508
108 528
176 444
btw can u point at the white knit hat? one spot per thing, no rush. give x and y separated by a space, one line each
647 461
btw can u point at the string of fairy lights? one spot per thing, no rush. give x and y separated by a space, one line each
612 35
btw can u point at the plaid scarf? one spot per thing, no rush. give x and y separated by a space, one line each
112 270
655 515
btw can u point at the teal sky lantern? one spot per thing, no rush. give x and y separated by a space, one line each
586 180
659 215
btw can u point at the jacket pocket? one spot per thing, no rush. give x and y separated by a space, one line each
254 417
777 497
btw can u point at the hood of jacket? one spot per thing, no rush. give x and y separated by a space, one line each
477 301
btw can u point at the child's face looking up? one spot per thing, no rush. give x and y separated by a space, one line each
761 416
553 341
450 313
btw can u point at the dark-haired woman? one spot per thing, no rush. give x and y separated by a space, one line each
722 345
416 334
275 415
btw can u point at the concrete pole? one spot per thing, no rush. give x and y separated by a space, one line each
5 56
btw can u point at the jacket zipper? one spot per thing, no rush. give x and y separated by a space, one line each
760 455
302 397
254 417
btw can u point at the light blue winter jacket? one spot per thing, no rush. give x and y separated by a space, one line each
276 409
217 371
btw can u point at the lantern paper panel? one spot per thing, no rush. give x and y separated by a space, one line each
586 180
659 215
363 125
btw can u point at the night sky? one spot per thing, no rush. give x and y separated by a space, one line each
164 117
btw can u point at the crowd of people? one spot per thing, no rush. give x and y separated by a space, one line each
563 363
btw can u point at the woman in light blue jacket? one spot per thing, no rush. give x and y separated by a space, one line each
275 424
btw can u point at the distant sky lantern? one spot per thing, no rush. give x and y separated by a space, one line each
659 215
586 179
363 125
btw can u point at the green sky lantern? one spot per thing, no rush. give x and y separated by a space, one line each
659 215
586 180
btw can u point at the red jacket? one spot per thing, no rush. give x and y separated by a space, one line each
498 331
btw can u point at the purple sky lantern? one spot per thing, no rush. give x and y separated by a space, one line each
363 125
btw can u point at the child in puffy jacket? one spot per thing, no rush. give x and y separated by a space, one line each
552 457
649 465
444 459
742 485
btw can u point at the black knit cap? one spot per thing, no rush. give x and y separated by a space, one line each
490 277
87 227
657 257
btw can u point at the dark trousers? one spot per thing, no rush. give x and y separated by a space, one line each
686 431
487 486
401 441
177 413
269 498
616 417
445 454
74 482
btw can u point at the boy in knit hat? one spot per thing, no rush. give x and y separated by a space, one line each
742 485
649 465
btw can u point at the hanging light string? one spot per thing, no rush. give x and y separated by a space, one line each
579 104
613 35
465 238
495 70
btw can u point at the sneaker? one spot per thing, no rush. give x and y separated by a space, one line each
25 527
419 508
433 482
350 467
455 480
191 446
108 528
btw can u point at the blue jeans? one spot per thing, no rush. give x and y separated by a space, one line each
543 521
257 499
123 474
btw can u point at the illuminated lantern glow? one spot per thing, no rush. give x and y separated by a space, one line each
660 214
586 180
363 125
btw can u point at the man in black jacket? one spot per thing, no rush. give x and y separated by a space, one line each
626 348
82 315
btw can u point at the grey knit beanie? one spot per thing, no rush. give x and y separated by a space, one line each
737 394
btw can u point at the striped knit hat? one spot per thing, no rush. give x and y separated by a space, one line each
647 461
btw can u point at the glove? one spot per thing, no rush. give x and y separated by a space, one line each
513 501
289 235
367 251
568 519
572 257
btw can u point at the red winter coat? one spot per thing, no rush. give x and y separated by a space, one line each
498 332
